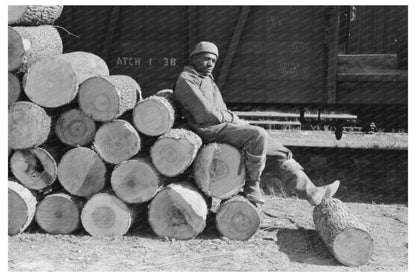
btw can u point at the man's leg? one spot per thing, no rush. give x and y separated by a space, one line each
252 140
292 175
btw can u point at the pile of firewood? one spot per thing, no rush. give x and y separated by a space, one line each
85 150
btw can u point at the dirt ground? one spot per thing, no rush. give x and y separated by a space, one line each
286 241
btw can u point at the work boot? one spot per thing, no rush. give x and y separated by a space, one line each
252 192
254 168
297 181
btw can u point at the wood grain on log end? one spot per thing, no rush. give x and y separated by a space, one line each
347 238
82 172
117 141
175 151
237 218
106 215
75 128
153 116
53 82
15 88
35 168
22 207
29 125
218 170
17 50
179 211
105 98
135 181
58 214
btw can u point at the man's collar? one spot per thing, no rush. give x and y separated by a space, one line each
192 69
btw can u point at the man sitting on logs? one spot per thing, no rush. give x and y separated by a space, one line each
206 113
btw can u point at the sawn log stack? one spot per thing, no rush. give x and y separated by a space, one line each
86 150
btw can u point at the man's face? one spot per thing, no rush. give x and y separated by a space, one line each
204 62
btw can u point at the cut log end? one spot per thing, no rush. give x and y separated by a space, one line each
98 98
51 83
106 215
22 207
16 12
117 141
16 50
82 172
75 128
175 151
35 168
179 211
58 214
237 219
153 116
15 89
135 181
29 125
353 247
218 170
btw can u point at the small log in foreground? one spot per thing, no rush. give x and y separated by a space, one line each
53 82
105 98
237 218
22 207
27 45
175 151
59 213
82 172
347 239
29 125
35 168
117 141
75 128
155 115
219 170
179 211
106 215
33 14
15 89
136 180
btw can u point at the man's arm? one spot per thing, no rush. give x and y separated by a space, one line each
188 93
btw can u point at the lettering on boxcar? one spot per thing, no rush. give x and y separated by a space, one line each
146 62
289 68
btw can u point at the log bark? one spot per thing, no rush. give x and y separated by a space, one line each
136 180
59 213
27 45
346 237
75 128
155 115
179 211
54 82
106 215
29 125
22 207
33 15
35 168
117 141
219 170
105 98
237 218
175 151
82 172
15 89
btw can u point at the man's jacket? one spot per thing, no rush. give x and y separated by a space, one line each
200 100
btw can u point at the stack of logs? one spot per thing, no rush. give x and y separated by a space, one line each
86 150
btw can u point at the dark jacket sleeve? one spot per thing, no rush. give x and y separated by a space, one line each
188 93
